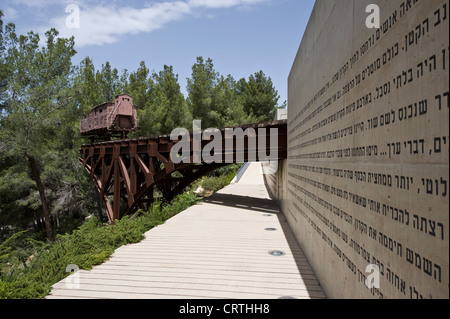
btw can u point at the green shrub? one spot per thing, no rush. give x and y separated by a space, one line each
5 248
89 245
214 184
217 182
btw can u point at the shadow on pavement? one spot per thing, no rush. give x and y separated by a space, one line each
245 202
269 206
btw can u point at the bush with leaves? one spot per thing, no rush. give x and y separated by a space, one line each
89 245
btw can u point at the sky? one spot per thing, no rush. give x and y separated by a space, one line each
242 37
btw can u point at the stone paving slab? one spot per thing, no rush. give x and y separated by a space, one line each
217 249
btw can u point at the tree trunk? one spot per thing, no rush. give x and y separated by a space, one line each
37 179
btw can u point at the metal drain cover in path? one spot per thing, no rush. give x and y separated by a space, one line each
277 253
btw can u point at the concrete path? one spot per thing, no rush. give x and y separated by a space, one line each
217 249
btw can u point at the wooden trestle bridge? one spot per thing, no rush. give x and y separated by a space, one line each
128 172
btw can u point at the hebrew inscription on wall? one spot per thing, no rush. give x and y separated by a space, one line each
368 165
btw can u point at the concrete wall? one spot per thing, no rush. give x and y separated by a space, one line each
366 180
275 173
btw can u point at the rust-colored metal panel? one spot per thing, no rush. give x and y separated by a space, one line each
110 119
125 105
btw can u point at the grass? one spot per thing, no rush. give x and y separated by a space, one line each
89 245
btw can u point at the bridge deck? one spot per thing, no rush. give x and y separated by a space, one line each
217 249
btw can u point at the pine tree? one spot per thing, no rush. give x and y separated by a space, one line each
34 98
4 70
108 81
89 93
173 109
139 84
200 88
259 96
142 88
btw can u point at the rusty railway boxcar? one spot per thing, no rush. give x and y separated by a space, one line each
111 119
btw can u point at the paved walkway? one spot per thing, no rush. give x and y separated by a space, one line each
217 249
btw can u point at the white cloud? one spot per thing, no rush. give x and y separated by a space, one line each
102 25
10 13
217 4
109 23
